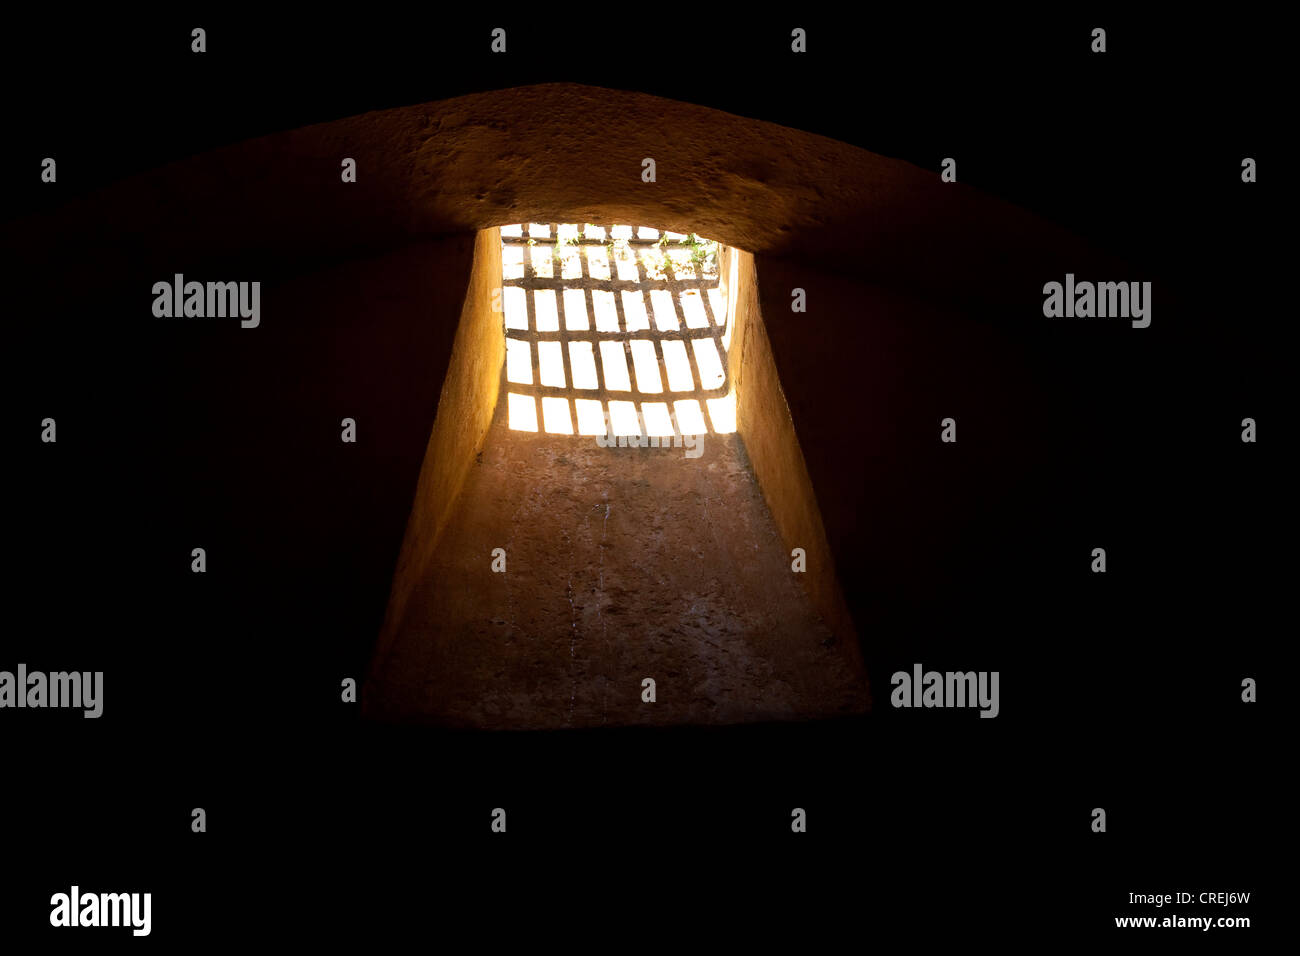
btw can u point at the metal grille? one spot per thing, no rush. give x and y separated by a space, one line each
620 330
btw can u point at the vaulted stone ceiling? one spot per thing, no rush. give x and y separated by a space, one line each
546 153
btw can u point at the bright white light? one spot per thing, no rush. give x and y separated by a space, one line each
657 420
575 310
732 287
550 361
634 313
690 419
623 418
615 366
591 416
570 255
661 301
519 362
707 361
515 302
723 413
555 416
602 301
678 365
597 262
646 365
625 260
693 309
654 263
512 262
523 412
629 324
570 263
544 310
582 360
682 262
542 261
719 306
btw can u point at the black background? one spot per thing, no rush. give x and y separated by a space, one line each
1119 691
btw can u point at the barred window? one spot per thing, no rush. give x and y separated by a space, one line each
614 330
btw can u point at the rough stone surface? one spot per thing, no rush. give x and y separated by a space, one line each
553 152
467 399
772 445
622 564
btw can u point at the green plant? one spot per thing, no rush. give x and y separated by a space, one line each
703 252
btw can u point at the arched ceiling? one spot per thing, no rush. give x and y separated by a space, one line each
550 152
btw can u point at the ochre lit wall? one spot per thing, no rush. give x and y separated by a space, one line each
764 423
466 405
